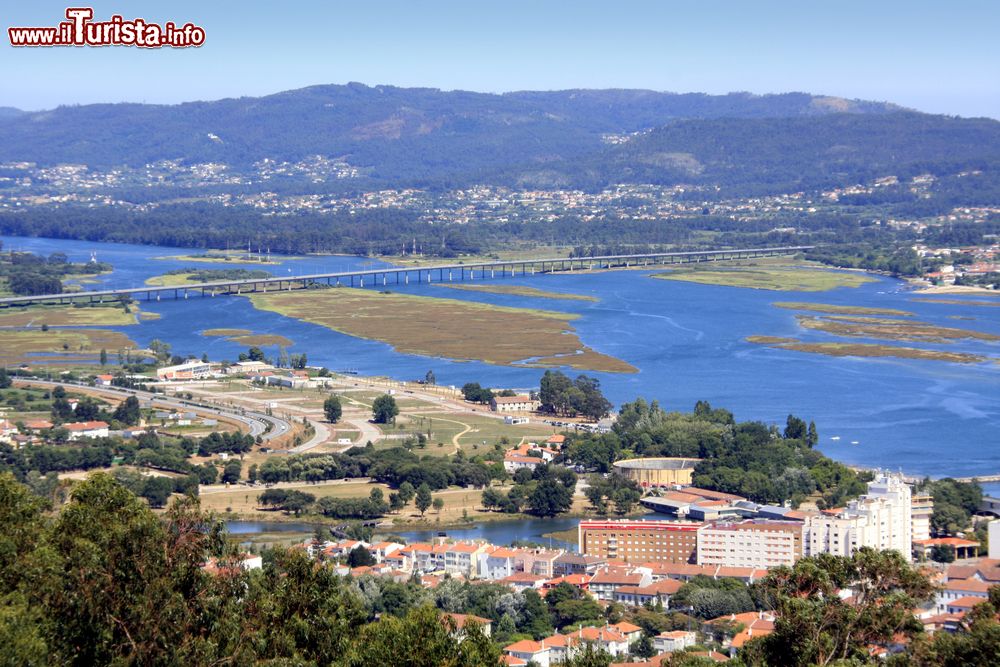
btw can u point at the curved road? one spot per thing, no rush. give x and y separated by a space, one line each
266 426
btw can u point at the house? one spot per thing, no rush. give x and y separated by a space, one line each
463 558
513 404
605 582
497 563
7 430
93 429
522 581
570 563
954 590
537 561
189 370
461 620
38 425
104 380
529 651
752 624
514 462
963 605
674 640
659 591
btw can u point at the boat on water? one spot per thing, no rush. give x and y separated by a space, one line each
836 437
855 442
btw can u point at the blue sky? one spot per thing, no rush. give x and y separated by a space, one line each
941 57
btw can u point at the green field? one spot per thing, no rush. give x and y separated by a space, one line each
768 276
447 328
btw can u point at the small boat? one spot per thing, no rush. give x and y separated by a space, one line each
854 442
836 437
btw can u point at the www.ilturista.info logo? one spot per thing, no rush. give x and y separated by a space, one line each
81 30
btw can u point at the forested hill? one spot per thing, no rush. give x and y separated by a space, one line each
574 138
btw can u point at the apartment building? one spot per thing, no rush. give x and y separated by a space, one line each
640 541
753 544
880 519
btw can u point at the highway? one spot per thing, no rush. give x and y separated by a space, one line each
266 426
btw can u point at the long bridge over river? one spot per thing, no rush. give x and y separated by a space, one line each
399 275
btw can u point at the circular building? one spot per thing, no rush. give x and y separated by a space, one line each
658 471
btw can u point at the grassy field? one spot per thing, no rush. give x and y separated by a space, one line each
890 329
520 290
840 310
444 327
170 280
459 503
865 350
66 316
226 258
959 302
226 332
778 275
59 347
517 254
249 338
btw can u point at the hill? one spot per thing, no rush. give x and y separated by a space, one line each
429 137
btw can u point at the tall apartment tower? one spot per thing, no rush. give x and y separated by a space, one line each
880 519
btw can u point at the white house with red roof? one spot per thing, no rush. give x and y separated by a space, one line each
91 429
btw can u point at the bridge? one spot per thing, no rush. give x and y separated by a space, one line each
396 275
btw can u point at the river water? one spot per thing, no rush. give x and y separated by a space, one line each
687 340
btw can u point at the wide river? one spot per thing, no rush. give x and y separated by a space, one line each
687 340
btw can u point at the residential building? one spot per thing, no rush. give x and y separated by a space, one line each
880 519
657 592
497 563
529 651
921 509
571 563
752 543
92 429
104 380
513 404
607 581
640 541
674 640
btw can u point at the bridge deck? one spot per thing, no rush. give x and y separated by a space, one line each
444 272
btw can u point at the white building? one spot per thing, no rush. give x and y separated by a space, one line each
880 519
674 640
994 538
189 370
513 404
756 544
95 429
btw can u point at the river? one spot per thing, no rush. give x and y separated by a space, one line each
687 340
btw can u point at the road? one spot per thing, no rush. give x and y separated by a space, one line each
266 426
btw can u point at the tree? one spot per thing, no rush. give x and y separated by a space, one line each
814 626
128 411
943 553
360 557
332 409
406 492
157 490
423 498
550 498
429 378
384 409
438 505
5 381
231 473
255 354
104 357
160 350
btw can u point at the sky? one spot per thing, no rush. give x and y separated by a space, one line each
939 57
